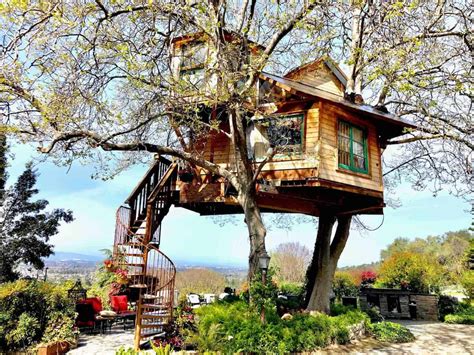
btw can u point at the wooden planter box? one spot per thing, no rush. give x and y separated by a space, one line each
54 349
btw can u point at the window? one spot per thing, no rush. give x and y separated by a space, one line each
191 66
285 133
193 55
352 147
393 304
373 301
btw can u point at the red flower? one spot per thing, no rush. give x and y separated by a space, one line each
368 276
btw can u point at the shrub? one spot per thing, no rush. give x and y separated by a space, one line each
467 282
33 311
460 318
337 309
391 332
374 314
236 327
447 305
344 285
464 314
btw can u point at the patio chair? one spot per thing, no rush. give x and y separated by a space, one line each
119 305
193 300
88 309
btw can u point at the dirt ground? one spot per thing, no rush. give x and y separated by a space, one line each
431 338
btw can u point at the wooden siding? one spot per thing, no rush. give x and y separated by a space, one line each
329 167
320 152
320 77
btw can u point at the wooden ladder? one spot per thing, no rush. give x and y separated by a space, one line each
136 249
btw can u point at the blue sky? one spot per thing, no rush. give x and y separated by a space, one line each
186 236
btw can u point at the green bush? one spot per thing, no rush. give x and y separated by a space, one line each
391 332
459 318
447 305
464 315
374 314
34 311
337 309
236 327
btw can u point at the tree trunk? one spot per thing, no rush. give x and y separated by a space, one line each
247 195
256 229
326 254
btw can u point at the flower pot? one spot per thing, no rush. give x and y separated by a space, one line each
61 347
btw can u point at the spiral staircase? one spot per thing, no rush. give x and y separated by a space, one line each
151 274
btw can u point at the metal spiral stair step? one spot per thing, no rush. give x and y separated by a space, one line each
154 306
138 286
154 325
156 316
152 333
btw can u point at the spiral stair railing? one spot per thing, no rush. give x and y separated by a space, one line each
151 273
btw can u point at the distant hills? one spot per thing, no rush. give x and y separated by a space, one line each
73 259
61 256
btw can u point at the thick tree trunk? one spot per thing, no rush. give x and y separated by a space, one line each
256 229
247 195
326 254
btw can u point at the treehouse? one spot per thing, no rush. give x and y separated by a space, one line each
327 157
328 148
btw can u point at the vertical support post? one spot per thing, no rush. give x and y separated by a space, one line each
264 281
138 324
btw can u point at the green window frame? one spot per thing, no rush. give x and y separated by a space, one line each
352 147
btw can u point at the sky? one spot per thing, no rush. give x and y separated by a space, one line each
190 238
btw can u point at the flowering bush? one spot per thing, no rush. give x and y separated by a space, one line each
109 265
368 278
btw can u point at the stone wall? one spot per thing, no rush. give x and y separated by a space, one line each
426 306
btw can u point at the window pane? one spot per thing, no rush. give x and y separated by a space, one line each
357 135
193 77
351 147
344 158
359 162
343 129
285 133
193 55
358 149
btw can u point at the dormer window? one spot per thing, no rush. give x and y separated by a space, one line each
193 55
193 59
352 147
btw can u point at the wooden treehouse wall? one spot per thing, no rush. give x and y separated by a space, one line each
319 159
319 77
329 169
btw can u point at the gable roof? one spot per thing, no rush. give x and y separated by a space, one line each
327 61
389 120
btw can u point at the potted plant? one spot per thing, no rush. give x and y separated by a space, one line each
109 265
121 276
60 335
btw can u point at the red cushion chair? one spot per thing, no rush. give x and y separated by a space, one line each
96 304
119 304
88 309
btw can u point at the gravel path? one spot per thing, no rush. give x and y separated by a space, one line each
431 338
104 344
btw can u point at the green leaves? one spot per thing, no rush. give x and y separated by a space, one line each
391 332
